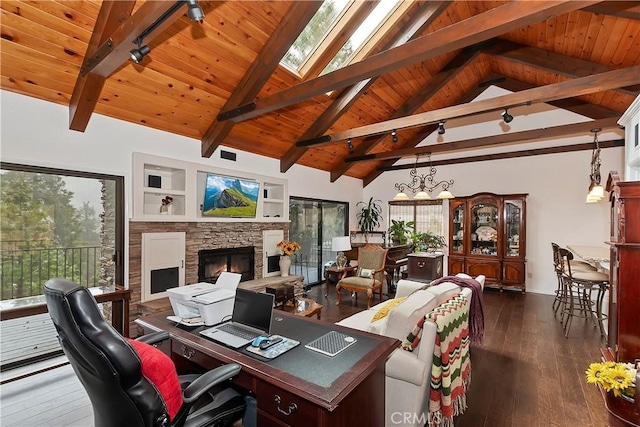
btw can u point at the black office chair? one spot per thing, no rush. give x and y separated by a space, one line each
111 370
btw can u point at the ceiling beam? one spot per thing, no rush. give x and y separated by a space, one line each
574 105
570 88
112 50
420 20
555 63
487 141
493 23
511 155
619 9
423 132
291 25
426 92
88 86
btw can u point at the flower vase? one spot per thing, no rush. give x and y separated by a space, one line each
164 209
285 263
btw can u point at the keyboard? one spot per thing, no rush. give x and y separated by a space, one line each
331 343
238 331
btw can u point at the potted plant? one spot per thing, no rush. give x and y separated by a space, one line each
399 230
427 241
369 217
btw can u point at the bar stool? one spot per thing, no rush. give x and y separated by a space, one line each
579 287
561 292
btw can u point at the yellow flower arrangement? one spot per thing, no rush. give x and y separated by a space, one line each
288 247
620 378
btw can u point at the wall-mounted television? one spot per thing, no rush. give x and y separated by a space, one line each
230 197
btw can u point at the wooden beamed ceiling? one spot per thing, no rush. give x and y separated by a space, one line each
220 81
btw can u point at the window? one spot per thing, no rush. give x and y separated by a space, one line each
313 224
53 223
56 223
426 214
341 32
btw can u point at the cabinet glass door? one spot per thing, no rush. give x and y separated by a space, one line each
484 229
513 216
457 229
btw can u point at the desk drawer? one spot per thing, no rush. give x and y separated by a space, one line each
207 362
285 406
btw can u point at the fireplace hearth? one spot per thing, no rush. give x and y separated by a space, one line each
212 262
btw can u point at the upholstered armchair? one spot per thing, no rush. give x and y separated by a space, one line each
369 275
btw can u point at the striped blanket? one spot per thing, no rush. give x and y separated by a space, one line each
451 369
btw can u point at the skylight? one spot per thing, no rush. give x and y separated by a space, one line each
364 32
314 33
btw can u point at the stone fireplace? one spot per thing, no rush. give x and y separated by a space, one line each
212 262
199 236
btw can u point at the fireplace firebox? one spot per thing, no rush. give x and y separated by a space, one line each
212 262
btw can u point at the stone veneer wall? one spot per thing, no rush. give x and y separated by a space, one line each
199 235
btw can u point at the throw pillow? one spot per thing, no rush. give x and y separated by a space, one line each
384 310
366 273
159 369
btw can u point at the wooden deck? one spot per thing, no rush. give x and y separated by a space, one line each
26 338
525 374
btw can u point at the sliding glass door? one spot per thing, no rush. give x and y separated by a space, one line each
313 224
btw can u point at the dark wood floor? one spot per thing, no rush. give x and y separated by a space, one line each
526 373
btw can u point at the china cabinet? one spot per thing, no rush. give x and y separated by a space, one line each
487 235
624 293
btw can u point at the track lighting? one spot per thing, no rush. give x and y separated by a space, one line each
506 116
194 11
441 129
394 136
139 53
349 145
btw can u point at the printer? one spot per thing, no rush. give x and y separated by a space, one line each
211 303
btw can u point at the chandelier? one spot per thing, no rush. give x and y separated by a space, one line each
596 191
423 184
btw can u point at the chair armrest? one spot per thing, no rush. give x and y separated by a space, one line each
405 287
154 337
209 379
405 366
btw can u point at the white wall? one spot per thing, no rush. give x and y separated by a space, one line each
35 132
556 184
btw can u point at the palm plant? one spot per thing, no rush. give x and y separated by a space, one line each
369 217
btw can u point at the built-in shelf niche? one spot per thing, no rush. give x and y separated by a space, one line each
155 178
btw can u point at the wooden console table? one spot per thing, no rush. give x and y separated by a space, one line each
301 387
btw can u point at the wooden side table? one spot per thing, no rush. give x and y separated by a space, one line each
338 273
303 307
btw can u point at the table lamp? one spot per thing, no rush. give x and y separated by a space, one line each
340 244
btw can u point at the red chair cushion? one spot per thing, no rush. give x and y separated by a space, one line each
158 368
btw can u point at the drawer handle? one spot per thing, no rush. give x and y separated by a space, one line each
421 264
292 407
187 353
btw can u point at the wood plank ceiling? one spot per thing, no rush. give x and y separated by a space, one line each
551 51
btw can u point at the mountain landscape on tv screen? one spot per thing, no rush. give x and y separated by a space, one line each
230 197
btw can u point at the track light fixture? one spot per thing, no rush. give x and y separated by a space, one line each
140 52
349 145
506 116
194 11
441 129
394 136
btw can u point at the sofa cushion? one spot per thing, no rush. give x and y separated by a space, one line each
386 307
444 291
405 316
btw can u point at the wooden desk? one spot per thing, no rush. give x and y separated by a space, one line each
300 387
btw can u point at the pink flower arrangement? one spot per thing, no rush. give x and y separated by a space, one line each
167 201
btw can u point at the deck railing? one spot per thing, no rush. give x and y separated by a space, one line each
23 272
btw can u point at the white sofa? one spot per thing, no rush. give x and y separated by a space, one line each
408 373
